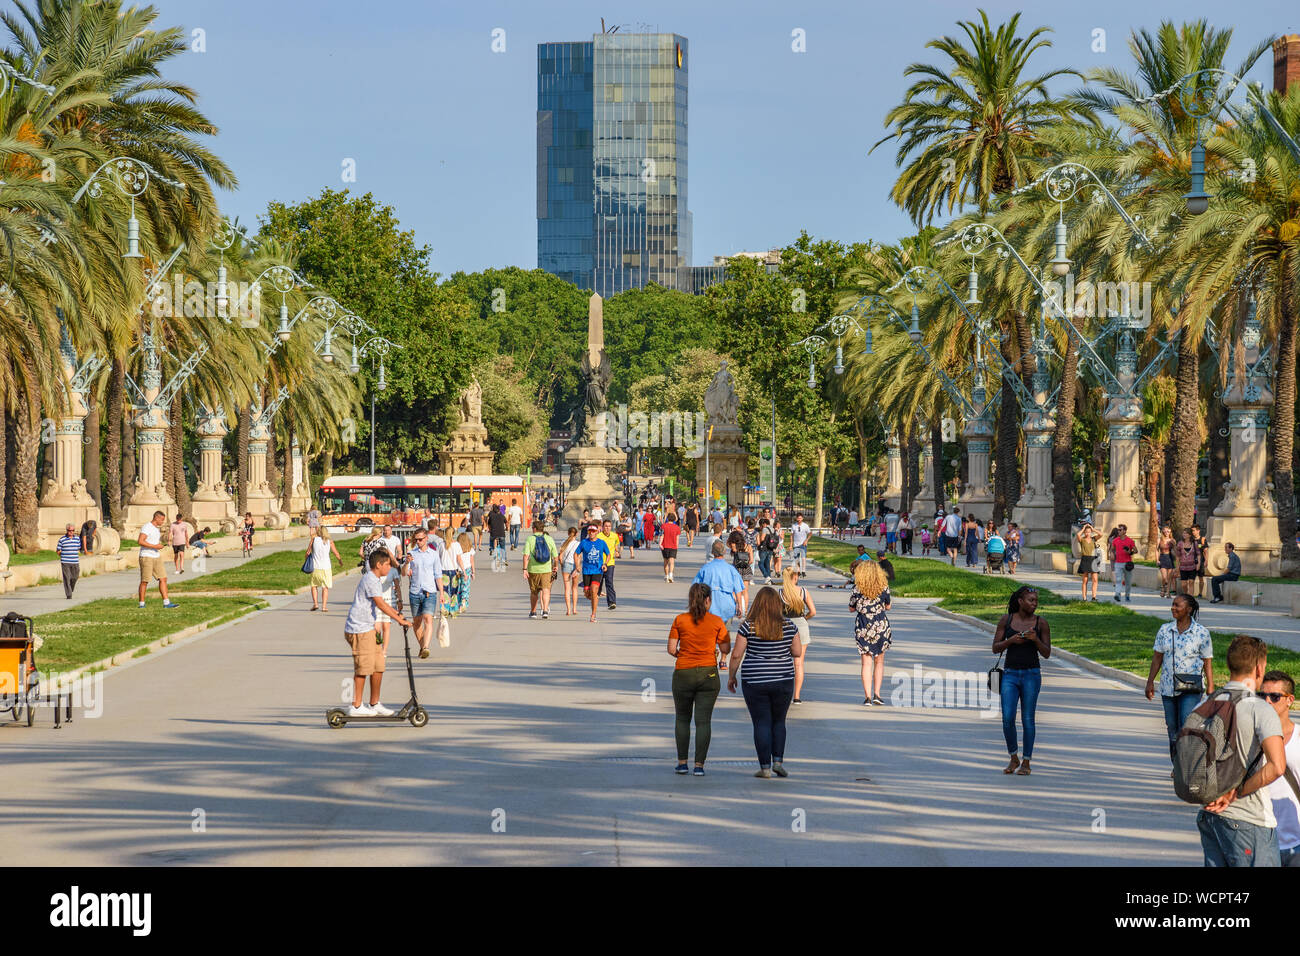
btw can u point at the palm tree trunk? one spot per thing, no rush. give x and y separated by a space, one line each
115 400
241 483
327 468
176 439
4 466
287 471
821 487
911 451
1006 469
1063 447
90 452
1185 436
27 438
1152 463
1283 430
129 472
11 459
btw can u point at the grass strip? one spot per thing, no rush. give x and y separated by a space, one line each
1100 631
277 573
100 629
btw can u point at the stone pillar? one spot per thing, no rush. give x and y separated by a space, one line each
151 422
211 502
65 500
262 501
1034 510
923 500
300 492
893 493
1247 516
1124 503
976 498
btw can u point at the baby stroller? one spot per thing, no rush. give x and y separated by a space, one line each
20 681
993 562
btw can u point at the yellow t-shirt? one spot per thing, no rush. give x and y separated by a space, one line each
611 541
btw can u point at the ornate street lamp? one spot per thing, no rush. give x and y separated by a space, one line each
131 177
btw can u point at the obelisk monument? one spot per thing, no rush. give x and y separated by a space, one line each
595 468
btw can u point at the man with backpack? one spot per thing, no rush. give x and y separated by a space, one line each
539 564
1227 753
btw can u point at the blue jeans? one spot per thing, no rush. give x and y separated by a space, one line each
764 563
1124 577
799 555
768 705
1177 709
514 535
1020 686
499 549
1233 843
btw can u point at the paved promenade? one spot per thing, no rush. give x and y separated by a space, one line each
546 746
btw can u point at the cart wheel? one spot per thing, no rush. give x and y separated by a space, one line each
16 710
31 712
335 718
420 717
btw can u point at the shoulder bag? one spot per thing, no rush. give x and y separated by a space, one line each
995 672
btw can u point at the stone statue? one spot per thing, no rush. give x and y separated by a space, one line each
471 404
720 399
596 399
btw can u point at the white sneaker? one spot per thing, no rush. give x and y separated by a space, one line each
379 710
362 711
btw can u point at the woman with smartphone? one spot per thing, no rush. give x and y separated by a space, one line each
1024 637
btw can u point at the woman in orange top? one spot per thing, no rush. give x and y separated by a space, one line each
695 639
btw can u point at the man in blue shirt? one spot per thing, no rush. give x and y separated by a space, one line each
724 581
69 548
593 553
424 568
1232 574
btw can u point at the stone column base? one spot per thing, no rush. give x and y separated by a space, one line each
1254 537
1110 514
218 515
53 520
1035 518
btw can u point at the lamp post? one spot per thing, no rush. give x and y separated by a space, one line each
131 177
1204 101
379 347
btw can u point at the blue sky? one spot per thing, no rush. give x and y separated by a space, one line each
442 128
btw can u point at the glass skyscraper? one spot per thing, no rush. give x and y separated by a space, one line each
611 161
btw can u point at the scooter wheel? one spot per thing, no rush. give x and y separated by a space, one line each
335 718
420 717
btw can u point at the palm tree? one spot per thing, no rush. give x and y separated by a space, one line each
1161 135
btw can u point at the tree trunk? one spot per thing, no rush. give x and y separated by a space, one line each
328 465
287 470
821 487
91 451
11 458
1220 452
936 445
115 401
1006 469
1167 488
176 439
129 472
911 452
1152 464
273 474
1185 436
27 436
241 480
862 466
1063 447
1283 431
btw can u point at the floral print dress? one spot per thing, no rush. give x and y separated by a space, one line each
871 628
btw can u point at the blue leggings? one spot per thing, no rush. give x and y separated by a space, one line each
1020 686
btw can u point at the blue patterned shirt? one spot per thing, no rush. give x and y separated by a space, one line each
1185 652
69 548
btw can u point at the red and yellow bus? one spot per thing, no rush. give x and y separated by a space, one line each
363 501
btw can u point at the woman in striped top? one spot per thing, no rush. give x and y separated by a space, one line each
766 646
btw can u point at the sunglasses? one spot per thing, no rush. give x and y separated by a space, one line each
1271 696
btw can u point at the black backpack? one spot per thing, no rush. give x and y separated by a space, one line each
1207 761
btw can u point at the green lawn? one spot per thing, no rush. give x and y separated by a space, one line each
276 573
38 558
1050 547
1101 631
99 629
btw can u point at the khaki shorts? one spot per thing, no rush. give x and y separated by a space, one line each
367 656
152 569
539 581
